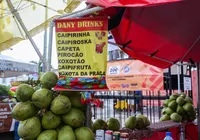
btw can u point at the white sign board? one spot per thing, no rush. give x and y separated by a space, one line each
114 70
187 83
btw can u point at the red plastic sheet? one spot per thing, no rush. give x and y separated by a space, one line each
128 3
164 31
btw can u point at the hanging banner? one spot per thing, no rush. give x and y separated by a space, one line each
82 52
133 75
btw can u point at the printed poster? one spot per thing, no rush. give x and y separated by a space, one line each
7 123
133 75
82 52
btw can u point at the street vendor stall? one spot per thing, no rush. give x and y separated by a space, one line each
117 16
82 48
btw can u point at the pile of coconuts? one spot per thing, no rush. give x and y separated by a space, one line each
179 108
132 122
45 115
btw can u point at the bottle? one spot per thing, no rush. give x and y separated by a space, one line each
109 135
100 135
116 135
124 136
168 136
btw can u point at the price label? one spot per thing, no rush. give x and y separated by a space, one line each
114 70
187 83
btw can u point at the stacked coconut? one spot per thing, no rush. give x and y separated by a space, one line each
132 122
45 115
179 108
111 124
136 126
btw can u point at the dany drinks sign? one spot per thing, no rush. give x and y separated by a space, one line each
82 51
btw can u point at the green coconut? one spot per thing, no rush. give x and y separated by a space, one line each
24 92
48 80
50 120
189 108
165 117
180 101
99 124
42 98
75 100
30 128
185 117
169 111
188 100
66 133
163 111
192 118
48 135
60 105
130 122
180 110
84 133
176 117
74 118
24 110
59 127
172 105
173 97
113 124
166 102
142 121
183 95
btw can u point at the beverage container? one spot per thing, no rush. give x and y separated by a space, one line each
100 135
109 135
116 135
124 136
168 136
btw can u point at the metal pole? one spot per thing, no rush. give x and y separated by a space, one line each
182 78
45 35
88 115
190 74
16 14
182 134
170 81
198 101
50 45
178 76
158 58
80 13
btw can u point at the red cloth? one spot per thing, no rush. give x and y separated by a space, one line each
191 132
128 3
165 31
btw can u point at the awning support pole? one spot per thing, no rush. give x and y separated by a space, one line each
178 76
16 14
80 13
195 42
121 47
198 99
170 62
